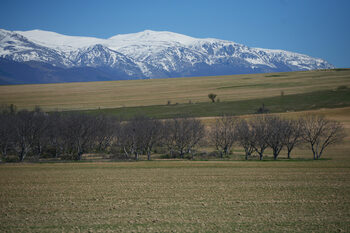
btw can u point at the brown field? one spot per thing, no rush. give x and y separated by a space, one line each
182 196
114 94
338 114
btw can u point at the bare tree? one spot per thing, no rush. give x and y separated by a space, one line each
197 132
126 139
55 133
292 135
320 133
169 136
276 128
182 135
6 132
223 134
244 137
24 133
131 137
78 134
106 129
150 135
259 135
140 135
40 127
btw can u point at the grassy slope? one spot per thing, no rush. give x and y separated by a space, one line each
296 102
92 95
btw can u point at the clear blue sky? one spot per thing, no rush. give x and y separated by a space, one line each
319 28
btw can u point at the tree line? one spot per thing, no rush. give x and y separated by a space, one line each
68 136
276 133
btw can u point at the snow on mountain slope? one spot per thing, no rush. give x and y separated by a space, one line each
150 54
101 56
149 36
293 60
60 42
16 47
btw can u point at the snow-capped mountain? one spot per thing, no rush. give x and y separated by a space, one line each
42 57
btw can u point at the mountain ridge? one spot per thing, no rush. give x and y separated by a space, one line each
146 54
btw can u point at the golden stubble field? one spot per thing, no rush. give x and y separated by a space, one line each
181 196
114 94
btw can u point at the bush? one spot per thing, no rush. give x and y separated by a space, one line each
342 87
262 110
11 159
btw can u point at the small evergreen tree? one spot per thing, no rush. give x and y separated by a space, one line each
212 97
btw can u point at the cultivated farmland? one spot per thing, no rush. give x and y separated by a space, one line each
176 196
297 195
116 94
182 196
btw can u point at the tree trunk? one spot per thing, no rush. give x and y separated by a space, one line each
80 155
321 151
39 150
22 155
126 152
4 153
181 154
260 152
314 152
56 152
317 156
288 154
148 155
226 150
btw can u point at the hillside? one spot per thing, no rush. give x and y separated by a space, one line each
116 94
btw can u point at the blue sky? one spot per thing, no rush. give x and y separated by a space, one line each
319 28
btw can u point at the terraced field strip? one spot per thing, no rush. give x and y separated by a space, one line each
277 104
115 94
